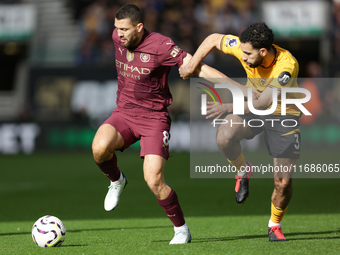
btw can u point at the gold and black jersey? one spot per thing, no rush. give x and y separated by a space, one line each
281 73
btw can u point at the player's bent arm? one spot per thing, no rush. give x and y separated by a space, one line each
218 110
209 43
263 102
203 50
211 74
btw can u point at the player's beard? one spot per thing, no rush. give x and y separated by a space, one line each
257 62
132 41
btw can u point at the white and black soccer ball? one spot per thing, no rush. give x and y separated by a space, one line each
48 231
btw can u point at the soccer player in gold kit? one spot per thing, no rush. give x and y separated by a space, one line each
268 68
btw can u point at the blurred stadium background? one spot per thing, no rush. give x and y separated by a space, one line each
58 76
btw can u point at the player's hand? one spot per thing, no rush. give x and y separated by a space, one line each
185 72
255 94
217 110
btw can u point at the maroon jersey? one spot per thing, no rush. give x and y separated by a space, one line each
143 72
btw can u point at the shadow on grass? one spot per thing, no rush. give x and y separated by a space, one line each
72 245
232 238
91 229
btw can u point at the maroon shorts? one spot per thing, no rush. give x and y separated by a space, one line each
153 131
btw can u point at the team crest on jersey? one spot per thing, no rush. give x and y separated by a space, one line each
262 81
130 55
145 57
232 42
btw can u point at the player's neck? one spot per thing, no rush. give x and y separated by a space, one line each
270 58
140 36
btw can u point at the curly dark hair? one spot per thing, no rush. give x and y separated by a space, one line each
259 35
131 11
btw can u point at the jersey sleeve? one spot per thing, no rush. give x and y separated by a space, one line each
169 54
230 44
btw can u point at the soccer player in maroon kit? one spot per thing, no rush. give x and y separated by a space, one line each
143 62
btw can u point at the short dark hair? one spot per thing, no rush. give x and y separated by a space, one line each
131 11
259 35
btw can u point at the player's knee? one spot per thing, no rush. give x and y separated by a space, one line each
154 185
224 139
99 152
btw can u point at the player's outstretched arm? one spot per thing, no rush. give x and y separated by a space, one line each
213 40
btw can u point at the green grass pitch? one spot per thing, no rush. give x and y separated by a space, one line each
71 187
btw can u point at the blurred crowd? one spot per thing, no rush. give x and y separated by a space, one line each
324 104
11 1
186 22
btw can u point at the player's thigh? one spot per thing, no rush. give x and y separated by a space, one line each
235 128
107 138
153 169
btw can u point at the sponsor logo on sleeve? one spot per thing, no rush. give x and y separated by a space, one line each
284 78
175 51
233 42
169 43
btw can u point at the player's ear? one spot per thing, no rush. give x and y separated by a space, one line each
263 52
140 27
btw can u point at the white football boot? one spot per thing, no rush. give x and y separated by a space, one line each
112 196
182 235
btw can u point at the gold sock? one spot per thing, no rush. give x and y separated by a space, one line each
277 213
238 162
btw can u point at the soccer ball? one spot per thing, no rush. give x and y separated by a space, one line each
48 231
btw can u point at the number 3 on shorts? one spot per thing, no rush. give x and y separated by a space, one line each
166 138
297 145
